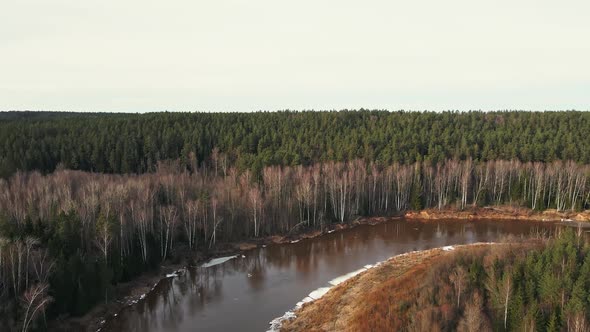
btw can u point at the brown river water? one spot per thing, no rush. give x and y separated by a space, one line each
246 293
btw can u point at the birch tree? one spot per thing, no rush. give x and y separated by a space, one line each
34 302
104 236
255 199
169 215
466 171
458 278
190 221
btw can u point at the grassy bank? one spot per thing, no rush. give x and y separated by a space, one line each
369 300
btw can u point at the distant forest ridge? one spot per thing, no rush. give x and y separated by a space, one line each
134 143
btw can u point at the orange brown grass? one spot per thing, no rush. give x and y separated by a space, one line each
375 300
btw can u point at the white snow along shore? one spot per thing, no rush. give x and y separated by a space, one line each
275 324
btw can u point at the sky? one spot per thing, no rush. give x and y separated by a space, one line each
221 55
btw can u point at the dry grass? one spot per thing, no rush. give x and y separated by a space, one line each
373 300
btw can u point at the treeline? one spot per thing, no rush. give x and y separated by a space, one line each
72 235
134 143
499 289
43 115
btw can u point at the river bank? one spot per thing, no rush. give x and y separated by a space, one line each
125 294
343 306
500 212
131 292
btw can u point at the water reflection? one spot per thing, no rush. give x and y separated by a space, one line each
246 293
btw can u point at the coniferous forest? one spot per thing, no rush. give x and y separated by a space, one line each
91 200
133 143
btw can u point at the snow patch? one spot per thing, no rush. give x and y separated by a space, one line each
217 261
295 241
331 231
304 301
174 274
448 248
343 278
275 324
316 294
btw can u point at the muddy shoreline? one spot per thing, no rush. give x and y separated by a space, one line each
129 293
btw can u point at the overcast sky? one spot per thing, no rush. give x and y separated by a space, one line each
248 55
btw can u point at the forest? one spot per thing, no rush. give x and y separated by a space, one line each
76 234
88 201
134 143
493 289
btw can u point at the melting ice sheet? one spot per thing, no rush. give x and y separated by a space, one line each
217 261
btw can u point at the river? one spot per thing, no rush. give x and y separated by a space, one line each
246 293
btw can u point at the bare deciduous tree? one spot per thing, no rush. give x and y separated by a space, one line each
34 302
104 236
474 319
458 278
190 222
169 215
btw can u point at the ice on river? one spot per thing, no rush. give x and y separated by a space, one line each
275 324
217 261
